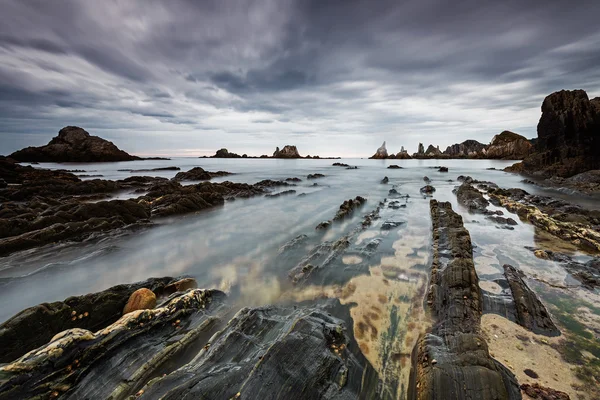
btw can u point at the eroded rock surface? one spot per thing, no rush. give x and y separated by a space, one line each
530 312
36 325
295 353
452 361
287 152
381 153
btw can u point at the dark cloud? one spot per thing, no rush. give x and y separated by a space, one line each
183 75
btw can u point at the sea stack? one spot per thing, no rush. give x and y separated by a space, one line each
74 144
287 152
381 153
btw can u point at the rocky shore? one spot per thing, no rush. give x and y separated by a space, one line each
48 206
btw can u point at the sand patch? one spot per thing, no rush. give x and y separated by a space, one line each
351 260
519 350
490 286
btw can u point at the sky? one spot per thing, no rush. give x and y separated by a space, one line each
334 78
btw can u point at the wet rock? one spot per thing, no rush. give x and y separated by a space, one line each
443 169
395 205
293 180
471 198
298 353
198 174
502 220
117 360
74 144
427 190
347 207
284 193
180 285
293 244
394 166
389 225
36 325
588 273
453 361
531 313
323 225
354 167
426 179
541 254
338 164
535 391
385 180
315 176
141 299
287 152
152 169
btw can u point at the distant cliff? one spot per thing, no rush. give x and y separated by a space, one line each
287 152
509 146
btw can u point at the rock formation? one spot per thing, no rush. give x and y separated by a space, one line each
224 153
466 149
508 146
453 361
433 151
381 153
73 144
568 140
198 174
421 149
286 152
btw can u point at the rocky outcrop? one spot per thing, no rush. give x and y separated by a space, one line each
295 353
114 361
36 325
287 152
433 151
224 153
530 312
381 153
471 198
74 144
509 146
184 348
453 361
568 139
198 174
466 149
421 149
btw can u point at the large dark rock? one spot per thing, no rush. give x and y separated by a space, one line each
118 359
199 174
531 313
287 152
471 198
508 146
568 135
348 207
74 144
275 352
453 361
36 325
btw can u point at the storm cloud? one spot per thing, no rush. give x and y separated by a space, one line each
186 77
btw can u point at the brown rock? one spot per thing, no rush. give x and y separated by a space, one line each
181 285
141 299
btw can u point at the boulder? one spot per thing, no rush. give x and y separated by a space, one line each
141 299
74 144
381 153
287 152
198 174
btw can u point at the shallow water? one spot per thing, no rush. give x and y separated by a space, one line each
235 247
